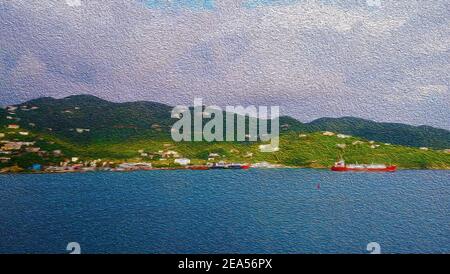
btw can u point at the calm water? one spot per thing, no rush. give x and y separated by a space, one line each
255 211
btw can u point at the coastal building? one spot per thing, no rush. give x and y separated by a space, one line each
13 126
57 152
343 136
11 108
24 133
36 167
75 159
357 143
341 146
424 148
182 161
285 127
156 127
12 146
42 153
268 148
328 133
32 149
248 155
302 136
82 130
170 154
4 159
27 144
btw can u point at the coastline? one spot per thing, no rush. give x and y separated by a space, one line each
27 172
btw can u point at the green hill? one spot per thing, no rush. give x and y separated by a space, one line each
90 128
115 122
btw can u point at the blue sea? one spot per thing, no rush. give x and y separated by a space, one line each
226 211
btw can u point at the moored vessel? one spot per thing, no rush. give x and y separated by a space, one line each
342 166
222 165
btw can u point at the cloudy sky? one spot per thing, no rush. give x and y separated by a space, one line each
313 58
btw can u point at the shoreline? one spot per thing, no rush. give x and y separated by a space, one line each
194 170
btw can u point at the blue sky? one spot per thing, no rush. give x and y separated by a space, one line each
387 62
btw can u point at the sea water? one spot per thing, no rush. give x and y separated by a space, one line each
226 211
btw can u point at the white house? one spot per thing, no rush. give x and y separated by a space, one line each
182 161
170 154
11 108
268 148
328 133
357 143
248 155
4 159
81 130
343 136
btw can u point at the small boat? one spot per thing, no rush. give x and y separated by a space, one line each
238 166
342 167
222 165
219 165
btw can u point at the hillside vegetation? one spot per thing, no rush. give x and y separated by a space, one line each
90 128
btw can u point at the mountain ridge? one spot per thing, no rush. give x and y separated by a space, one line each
63 116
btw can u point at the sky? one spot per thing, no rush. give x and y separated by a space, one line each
385 60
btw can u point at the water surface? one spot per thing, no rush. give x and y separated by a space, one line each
226 211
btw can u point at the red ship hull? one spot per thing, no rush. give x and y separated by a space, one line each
344 169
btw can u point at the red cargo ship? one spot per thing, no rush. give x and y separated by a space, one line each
342 166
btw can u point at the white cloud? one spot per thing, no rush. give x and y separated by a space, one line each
74 3
300 54
433 89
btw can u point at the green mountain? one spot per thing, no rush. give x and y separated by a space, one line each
98 119
110 122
